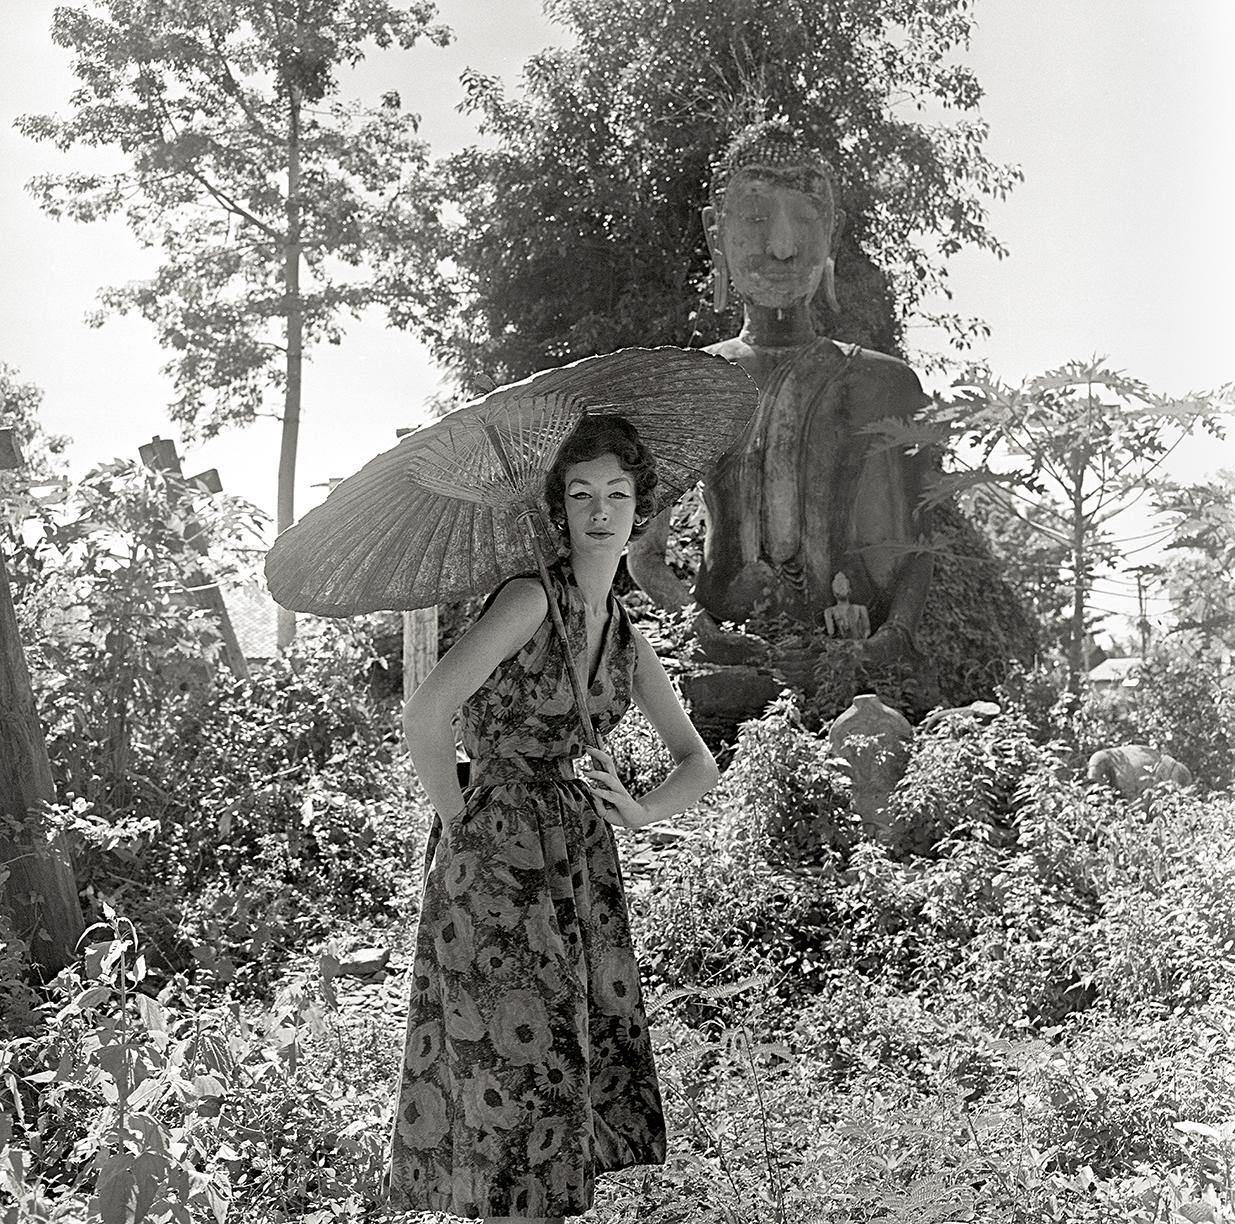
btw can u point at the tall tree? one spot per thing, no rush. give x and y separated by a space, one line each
579 225
276 207
1092 442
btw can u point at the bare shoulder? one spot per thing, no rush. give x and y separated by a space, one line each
516 613
521 596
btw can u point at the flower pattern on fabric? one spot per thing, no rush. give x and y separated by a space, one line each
528 1065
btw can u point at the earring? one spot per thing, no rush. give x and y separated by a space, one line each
641 520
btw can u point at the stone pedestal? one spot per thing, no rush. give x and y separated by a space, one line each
723 697
874 739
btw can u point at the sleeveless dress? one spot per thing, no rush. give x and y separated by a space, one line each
528 1063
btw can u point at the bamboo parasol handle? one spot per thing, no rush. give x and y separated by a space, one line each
572 672
526 517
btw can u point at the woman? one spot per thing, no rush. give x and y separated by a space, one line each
528 1065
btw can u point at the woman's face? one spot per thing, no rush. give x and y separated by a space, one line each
600 505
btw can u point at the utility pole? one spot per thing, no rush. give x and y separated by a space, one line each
1142 572
37 885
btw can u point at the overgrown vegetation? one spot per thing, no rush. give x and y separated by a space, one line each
1018 1008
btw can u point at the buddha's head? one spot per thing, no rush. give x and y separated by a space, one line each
773 221
840 587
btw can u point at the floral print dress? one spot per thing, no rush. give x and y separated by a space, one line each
528 1064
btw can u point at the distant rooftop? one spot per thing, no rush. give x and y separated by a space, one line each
1121 671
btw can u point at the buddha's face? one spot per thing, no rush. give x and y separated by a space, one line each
775 239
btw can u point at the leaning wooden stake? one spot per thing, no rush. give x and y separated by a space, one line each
37 886
160 454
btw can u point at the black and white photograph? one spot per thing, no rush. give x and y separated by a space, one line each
617 611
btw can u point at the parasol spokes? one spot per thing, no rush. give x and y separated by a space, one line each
509 464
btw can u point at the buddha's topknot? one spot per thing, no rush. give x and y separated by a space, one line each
776 148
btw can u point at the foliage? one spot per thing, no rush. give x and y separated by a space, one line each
276 207
965 777
579 223
207 101
1091 440
130 1106
19 410
1033 558
783 796
1202 575
641 759
1182 703
279 813
37 486
1029 1023
114 634
1184 707
977 622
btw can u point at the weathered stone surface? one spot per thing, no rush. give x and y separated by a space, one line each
983 711
364 962
722 698
874 739
1133 769
811 491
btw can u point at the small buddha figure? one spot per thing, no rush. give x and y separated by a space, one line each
844 619
806 492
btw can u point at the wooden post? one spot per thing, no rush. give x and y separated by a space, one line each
419 647
37 884
160 455
419 638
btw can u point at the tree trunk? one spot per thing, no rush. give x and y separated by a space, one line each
295 345
1076 635
37 886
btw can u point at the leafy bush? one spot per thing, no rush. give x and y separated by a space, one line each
639 754
127 1106
1183 706
964 776
281 808
116 639
783 795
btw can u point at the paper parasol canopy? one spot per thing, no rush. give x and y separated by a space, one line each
436 518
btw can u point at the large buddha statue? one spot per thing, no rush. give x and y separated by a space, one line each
807 494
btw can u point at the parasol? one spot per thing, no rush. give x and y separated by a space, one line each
457 506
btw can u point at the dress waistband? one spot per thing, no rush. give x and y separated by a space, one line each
492 771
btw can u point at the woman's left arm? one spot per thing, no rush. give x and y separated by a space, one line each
694 771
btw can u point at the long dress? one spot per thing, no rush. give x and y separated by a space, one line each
528 1063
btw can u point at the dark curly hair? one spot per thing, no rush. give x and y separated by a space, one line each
604 435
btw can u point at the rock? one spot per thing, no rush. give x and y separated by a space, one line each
981 710
874 739
723 697
364 962
1133 769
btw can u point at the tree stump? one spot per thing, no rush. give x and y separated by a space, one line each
37 886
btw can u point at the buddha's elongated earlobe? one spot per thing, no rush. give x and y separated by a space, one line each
829 284
720 266
829 267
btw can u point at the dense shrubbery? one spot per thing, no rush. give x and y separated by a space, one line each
1033 980
1019 1008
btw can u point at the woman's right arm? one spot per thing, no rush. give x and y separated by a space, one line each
515 614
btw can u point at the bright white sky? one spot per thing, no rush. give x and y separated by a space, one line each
1120 112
